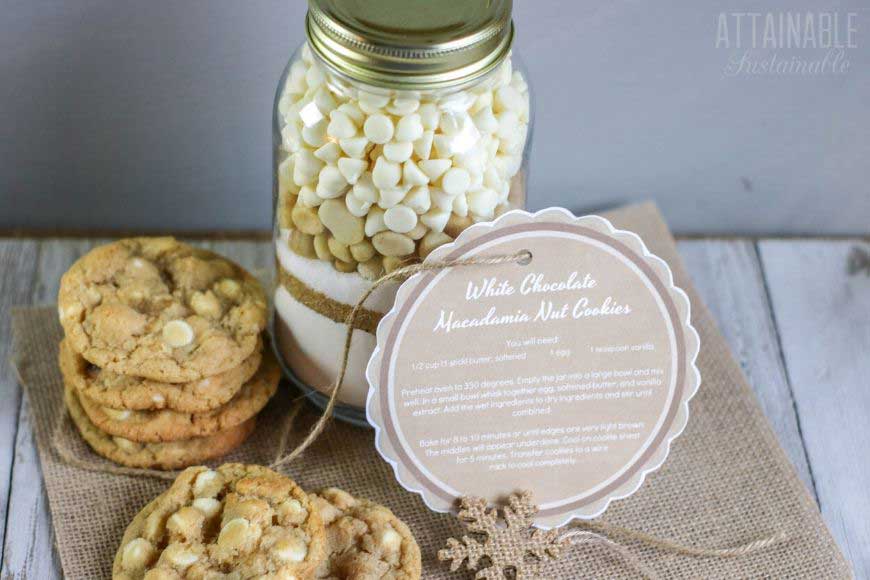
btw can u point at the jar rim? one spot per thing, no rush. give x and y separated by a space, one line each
376 43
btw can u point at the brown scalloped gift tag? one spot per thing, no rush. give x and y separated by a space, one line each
568 374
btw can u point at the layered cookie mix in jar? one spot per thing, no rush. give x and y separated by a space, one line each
397 124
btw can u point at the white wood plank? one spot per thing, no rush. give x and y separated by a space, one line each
17 266
29 550
823 316
728 276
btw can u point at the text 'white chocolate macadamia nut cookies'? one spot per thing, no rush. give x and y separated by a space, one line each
237 521
159 309
364 540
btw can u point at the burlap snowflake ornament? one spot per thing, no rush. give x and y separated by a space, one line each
511 550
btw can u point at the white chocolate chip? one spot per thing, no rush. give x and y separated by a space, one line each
324 100
508 98
355 147
291 138
92 297
351 169
434 168
456 181
314 77
353 112
186 522
508 124
443 146
430 116
485 121
460 205
400 219
413 175
290 549
423 145
126 444
409 128
372 102
386 174
158 399
329 152
137 554
375 222
331 182
306 167
403 106
206 304
315 135
210 507
340 126
482 203
398 151
234 534
418 199
207 484
436 219
379 129
390 540
364 189
179 556
177 333
392 196
441 199
356 206
117 414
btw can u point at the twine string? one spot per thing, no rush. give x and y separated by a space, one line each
579 537
403 272
663 545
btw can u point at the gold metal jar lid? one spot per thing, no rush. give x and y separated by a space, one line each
411 44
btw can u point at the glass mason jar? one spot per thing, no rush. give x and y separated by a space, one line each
397 124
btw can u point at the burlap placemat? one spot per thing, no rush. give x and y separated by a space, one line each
725 483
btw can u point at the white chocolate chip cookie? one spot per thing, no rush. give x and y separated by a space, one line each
169 425
124 392
169 455
364 540
243 520
160 309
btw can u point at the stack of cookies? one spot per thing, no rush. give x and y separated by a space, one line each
246 521
163 361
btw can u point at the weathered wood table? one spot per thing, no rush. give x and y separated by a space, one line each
795 316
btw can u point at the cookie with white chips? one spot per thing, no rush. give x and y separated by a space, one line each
243 520
160 309
364 540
